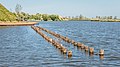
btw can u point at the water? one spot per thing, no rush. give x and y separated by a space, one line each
23 47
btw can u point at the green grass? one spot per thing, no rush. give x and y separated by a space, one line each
6 15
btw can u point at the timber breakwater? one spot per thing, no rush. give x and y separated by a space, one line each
63 49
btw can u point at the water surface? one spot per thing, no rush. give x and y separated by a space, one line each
23 47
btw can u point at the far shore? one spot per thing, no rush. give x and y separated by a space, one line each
14 23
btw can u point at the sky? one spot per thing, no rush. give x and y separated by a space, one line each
89 8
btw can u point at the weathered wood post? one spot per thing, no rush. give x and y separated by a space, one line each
91 50
101 52
69 53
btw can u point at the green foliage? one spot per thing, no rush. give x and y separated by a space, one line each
42 17
45 17
6 15
54 17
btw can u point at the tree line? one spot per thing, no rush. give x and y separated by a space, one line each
77 18
40 17
22 16
18 15
106 17
81 17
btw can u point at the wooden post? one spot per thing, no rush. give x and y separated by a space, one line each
91 50
64 51
101 52
69 53
86 48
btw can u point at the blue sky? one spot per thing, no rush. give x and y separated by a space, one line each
89 8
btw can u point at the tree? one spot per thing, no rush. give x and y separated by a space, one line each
115 17
80 17
45 17
111 17
18 9
54 17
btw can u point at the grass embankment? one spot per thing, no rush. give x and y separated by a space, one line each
6 15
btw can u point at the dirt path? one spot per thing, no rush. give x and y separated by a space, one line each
17 23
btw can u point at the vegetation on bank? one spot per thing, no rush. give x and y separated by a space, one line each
6 15
77 18
22 16
106 19
39 17
97 18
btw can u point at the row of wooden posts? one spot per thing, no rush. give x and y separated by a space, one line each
53 42
68 40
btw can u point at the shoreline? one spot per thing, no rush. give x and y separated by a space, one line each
17 23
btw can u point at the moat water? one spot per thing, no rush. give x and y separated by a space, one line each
21 46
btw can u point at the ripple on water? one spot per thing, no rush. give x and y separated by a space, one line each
23 47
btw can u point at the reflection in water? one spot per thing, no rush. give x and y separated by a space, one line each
91 55
69 57
86 52
101 57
